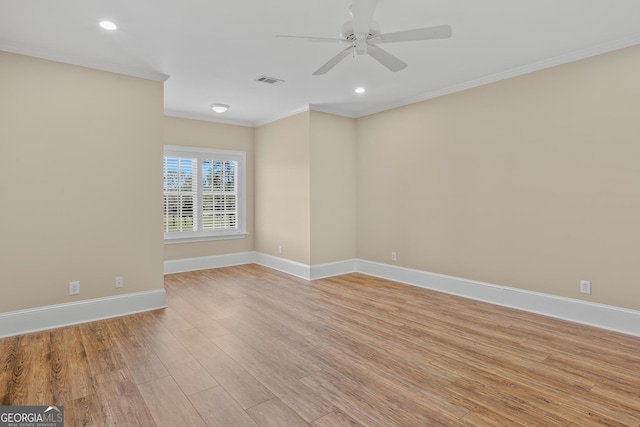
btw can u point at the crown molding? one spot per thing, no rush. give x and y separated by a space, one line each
290 113
50 55
514 72
206 118
332 110
253 124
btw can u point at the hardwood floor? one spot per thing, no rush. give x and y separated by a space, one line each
249 346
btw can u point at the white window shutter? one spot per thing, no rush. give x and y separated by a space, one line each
203 193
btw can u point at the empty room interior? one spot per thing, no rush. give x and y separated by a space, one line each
205 224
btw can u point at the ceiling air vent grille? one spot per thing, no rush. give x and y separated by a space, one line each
269 80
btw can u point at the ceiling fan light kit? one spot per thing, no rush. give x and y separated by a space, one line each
363 35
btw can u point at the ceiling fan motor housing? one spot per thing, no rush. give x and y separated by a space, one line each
360 44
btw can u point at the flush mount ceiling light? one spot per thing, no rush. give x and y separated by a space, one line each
108 25
219 108
360 90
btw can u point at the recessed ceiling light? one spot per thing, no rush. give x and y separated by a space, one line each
219 108
360 90
108 25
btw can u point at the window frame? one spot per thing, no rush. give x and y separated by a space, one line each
240 231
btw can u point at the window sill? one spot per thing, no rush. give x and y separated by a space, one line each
204 238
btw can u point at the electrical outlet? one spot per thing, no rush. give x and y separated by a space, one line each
585 287
280 249
119 282
394 257
74 288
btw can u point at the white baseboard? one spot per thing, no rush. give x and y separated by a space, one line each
294 268
204 263
56 316
308 272
584 312
333 269
286 266
598 315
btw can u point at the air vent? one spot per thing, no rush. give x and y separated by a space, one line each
269 80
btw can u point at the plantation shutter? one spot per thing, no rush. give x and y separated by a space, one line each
203 193
219 194
180 194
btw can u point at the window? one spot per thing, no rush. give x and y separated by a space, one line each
204 194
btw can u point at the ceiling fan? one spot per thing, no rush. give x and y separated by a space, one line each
362 34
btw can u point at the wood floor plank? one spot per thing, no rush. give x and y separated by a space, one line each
100 348
482 416
64 372
411 396
375 406
168 405
510 408
406 359
8 354
217 408
172 320
78 363
192 377
274 413
167 347
210 328
336 419
256 325
552 406
236 380
85 412
199 345
143 363
31 381
285 312
280 378
265 343
348 398
120 400
178 300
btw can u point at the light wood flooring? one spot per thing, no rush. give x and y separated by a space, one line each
250 346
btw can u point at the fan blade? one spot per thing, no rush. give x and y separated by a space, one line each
362 11
429 33
315 39
385 58
333 62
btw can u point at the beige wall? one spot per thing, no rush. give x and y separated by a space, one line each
197 133
333 188
80 167
282 188
305 188
532 182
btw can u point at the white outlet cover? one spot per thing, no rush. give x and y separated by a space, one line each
74 288
585 287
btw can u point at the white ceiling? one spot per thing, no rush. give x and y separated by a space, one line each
214 50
